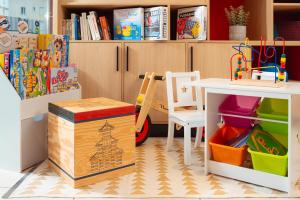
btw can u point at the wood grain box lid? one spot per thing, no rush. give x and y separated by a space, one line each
84 110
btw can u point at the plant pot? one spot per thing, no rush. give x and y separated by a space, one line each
237 32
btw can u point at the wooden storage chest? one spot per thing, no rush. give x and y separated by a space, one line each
91 140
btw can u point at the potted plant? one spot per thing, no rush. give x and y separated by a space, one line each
238 21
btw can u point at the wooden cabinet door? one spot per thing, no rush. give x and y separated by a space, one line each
211 59
99 68
151 57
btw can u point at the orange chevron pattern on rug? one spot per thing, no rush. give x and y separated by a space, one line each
161 165
159 174
139 177
188 178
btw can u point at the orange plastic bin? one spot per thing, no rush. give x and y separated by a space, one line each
227 154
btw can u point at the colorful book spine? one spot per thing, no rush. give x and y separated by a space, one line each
65 52
4 63
16 73
31 76
105 28
96 25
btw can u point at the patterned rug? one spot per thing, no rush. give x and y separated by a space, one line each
158 174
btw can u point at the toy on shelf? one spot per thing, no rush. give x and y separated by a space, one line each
266 74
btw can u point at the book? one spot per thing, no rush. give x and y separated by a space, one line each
73 26
13 40
31 80
16 72
86 26
4 63
192 23
92 28
105 28
81 28
156 23
264 142
41 67
96 25
58 46
64 79
129 24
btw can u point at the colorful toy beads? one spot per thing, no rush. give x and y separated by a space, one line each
239 70
281 73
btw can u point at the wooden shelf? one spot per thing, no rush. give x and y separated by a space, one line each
286 6
252 42
129 3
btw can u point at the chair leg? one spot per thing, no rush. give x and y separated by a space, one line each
198 137
187 145
170 134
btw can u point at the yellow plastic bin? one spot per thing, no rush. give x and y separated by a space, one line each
269 163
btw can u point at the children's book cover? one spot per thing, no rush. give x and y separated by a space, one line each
31 76
4 63
156 23
16 72
41 68
192 23
129 24
59 50
64 79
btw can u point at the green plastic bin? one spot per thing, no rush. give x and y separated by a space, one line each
276 109
269 163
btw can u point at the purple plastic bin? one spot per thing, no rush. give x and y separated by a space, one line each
239 105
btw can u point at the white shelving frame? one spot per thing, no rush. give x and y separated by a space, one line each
23 126
216 90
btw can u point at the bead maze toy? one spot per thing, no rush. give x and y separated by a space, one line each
275 78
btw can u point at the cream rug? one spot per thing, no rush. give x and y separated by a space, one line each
158 174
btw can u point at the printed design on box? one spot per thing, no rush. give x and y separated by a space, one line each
156 20
4 24
108 155
63 79
5 40
191 23
129 24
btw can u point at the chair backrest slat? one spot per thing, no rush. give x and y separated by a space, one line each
179 95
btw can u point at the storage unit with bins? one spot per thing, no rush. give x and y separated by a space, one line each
216 91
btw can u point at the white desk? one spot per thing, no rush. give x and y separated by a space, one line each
216 90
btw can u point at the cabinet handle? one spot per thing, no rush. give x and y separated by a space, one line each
192 59
117 67
127 58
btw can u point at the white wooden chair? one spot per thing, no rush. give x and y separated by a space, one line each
179 96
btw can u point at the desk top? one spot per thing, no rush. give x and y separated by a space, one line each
292 87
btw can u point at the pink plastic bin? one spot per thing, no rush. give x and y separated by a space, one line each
239 105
